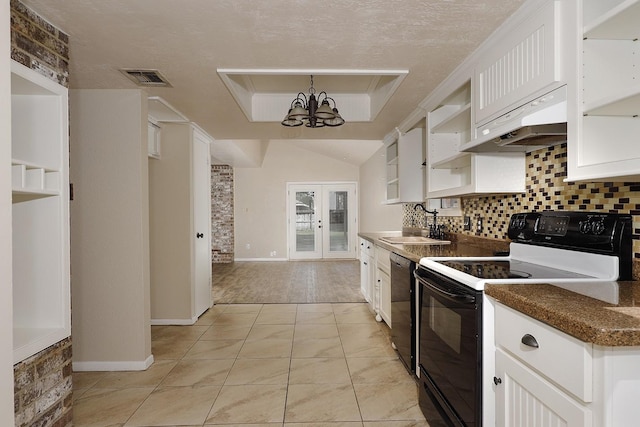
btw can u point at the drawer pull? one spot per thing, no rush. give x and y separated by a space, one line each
529 340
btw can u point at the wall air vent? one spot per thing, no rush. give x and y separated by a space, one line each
151 78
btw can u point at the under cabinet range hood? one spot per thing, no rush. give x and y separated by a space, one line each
539 123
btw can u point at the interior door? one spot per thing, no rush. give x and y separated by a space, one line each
322 219
201 184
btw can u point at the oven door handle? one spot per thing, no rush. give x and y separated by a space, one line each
456 297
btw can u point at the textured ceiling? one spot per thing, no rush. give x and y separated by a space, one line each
188 40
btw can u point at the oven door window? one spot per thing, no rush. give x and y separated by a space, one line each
446 324
450 348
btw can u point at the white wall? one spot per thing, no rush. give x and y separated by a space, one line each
260 195
110 230
374 214
170 225
6 300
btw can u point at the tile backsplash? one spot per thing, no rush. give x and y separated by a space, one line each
545 190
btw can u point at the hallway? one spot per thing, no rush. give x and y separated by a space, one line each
260 282
260 365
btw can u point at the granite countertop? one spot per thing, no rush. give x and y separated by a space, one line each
588 319
460 245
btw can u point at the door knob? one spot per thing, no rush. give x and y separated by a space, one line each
199 235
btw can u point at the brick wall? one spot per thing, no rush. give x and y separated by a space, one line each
39 45
42 383
43 386
222 238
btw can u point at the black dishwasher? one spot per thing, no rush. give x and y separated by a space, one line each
403 310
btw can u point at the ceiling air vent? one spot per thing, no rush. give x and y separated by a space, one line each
151 78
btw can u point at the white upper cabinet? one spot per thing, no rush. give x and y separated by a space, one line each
523 65
604 119
40 211
404 167
449 127
451 172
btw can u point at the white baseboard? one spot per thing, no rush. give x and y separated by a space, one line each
156 322
133 365
261 259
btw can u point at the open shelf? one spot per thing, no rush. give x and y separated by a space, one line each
40 212
457 161
622 103
459 119
619 23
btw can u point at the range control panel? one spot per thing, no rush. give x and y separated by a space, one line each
598 232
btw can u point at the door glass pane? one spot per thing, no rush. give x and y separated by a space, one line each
305 220
338 221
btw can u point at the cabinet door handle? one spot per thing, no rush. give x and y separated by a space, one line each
529 340
497 380
199 235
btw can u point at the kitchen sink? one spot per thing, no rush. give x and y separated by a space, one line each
413 240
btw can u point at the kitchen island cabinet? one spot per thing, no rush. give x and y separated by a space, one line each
586 369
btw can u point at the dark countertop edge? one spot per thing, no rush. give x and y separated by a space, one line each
398 249
460 245
574 314
569 312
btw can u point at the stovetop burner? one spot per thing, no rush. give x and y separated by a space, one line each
509 269
550 247
487 269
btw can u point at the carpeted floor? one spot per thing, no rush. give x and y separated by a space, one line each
285 282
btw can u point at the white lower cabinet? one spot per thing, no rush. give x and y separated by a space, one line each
367 269
375 279
525 398
383 283
544 377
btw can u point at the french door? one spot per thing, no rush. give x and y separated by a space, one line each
322 220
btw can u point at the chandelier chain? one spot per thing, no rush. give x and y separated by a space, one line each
312 90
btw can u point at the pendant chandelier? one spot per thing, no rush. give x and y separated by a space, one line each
306 111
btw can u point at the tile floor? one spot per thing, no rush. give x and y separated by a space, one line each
259 365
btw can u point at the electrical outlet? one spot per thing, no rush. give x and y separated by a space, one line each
273 253
467 223
479 225
248 245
